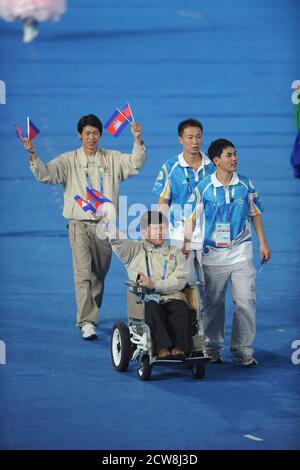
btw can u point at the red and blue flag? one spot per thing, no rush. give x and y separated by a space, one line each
119 120
19 133
32 130
85 206
95 199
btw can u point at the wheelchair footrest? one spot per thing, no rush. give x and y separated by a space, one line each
167 362
188 361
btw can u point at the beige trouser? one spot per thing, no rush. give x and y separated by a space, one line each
91 261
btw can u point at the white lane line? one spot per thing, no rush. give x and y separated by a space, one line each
253 438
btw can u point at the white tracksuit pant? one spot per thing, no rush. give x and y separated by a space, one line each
195 274
242 277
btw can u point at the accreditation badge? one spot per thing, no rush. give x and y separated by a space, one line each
223 235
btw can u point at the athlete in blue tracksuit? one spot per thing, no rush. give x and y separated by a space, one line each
174 185
227 202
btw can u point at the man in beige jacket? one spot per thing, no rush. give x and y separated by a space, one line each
102 170
162 268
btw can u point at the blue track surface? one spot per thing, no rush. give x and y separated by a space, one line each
231 64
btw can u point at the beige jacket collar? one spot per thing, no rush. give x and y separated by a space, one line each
83 159
164 248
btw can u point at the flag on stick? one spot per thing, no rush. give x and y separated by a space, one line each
95 199
93 202
85 206
119 120
32 130
19 133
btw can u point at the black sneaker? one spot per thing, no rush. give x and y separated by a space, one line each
245 361
216 359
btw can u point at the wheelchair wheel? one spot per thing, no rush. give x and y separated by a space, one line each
145 368
198 370
120 346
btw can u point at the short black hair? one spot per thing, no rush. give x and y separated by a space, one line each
152 217
188 123
89 120
217 146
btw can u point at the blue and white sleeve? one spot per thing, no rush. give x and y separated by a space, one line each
255 204
162 186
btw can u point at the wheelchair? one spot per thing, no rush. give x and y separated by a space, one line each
132 342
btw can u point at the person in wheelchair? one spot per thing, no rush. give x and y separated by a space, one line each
162 269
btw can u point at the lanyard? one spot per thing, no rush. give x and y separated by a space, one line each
101 172
166 265
187 179
165 270
101 175
88 181
228 205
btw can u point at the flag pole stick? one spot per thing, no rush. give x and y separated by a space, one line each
130 111
124 116
28 127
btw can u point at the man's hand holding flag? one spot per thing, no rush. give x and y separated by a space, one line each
32 132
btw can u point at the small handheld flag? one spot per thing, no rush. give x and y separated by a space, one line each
85 206
95 199
19 133
32 130
119 120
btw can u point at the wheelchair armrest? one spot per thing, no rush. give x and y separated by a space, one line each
136 289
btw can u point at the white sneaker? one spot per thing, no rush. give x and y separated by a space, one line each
30 32
88 331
